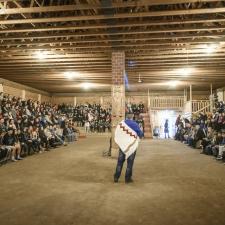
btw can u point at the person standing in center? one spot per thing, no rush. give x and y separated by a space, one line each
127 136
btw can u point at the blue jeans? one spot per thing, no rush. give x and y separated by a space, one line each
190 141
119 167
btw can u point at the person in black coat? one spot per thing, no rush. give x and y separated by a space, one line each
23 139
199 135
10 140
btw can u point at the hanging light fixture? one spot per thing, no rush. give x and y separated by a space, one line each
139 78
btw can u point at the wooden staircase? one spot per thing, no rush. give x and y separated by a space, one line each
147 126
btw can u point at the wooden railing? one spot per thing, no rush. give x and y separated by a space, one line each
166 102
200 106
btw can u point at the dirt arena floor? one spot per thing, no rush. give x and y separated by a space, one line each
73 185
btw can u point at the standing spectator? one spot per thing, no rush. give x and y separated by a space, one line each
166 129
87 126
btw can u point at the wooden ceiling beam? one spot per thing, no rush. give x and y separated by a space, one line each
56 56
119 25
147 73
142 60
155 35
129 41
107 48
56 60
103 58
116 16
71 65
168 69
107 81
175 51
157 41
60 8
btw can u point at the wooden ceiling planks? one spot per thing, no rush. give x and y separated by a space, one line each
158 37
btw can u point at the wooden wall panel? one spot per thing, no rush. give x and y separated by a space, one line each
45 98
85 100
31 95
12 91
60 100
200 97
107 101
138 99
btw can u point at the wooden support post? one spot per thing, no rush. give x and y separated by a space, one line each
39 97
118 95
1 88
211 98
191 98
101 101
75 101
23 95
190 92
185 95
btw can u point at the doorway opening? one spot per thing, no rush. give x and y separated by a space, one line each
159 117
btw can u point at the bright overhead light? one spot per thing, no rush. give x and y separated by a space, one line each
211 48
173 83
2 11
70 75
185 71
41 55
139 79
87 85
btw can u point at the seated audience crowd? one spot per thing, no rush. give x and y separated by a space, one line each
205 131
28 127
137 110
93 117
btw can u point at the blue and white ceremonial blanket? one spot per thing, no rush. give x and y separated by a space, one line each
126 138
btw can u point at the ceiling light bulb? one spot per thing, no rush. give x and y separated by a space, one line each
70 75
139 79
173 83
87 85
185 71
41 55
2 11
211 48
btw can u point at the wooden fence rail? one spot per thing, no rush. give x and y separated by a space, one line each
166 102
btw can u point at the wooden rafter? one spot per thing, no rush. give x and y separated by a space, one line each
158 37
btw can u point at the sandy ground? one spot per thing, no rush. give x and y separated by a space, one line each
74 185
